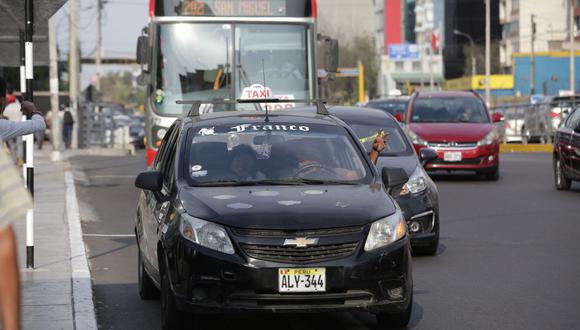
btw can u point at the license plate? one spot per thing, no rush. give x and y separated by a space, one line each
302 279
452 156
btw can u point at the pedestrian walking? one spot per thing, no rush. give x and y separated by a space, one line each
67 127
14 201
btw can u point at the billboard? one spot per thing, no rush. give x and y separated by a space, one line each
408 52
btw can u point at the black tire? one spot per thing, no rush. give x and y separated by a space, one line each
171 317
493 175
560 179
396 320
429 249
147 289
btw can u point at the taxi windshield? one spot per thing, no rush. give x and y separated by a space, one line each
274 153
229 61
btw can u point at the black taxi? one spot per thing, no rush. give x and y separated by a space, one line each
245 211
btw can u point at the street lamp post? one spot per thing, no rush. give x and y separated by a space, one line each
463 34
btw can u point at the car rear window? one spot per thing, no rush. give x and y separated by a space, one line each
391 106
448 110
395 144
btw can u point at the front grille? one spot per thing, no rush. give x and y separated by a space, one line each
292 254
297 233
452 145
465 161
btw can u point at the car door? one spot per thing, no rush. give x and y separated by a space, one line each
158 202
574 144
563 143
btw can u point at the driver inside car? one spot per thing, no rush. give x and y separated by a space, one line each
244 162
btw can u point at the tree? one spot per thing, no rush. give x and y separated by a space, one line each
345 89
120 87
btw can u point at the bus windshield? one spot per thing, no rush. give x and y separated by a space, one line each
200 62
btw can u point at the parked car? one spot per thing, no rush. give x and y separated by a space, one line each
567 152
459 127
244 213
419 198
395 106
542 120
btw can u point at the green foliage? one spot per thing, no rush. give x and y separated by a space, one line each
345 89
120 87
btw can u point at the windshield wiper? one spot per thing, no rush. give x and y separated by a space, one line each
226 183
304 181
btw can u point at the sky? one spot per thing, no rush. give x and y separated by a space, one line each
122 24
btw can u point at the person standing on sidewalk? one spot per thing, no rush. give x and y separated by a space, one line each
14 201
10 129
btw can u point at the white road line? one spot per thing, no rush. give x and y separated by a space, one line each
83 306
112 176
109 235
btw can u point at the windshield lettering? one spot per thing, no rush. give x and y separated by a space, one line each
255 128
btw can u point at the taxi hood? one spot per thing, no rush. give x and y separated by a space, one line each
288 207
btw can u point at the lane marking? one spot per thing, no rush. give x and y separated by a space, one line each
82 291
109 235
112 176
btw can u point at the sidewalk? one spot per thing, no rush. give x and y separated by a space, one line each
50 292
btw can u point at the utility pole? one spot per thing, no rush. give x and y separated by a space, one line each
430 47
74 65
99 45
572 49
533 58
29 144
487 51
54 100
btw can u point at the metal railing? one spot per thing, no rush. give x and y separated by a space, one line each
527 123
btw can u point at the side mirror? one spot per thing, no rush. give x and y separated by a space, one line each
332 56
399 117
427 155
142 50
497 117
394 178
150 180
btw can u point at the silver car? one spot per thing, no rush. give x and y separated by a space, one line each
542 120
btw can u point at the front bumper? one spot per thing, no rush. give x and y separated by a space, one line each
207 281
421 213
477 158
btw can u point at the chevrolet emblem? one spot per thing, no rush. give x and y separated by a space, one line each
301 241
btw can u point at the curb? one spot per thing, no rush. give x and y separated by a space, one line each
82 291
526 147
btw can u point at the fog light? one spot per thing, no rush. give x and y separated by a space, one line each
490 158
395 293
198 294
415 226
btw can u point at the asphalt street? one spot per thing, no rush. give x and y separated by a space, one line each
508 259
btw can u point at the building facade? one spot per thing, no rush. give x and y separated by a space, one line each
540 24
417 25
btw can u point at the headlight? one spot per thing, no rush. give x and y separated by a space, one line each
415 139
416 184
487 140
386 231
206 234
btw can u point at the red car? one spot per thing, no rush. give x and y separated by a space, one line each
459 127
